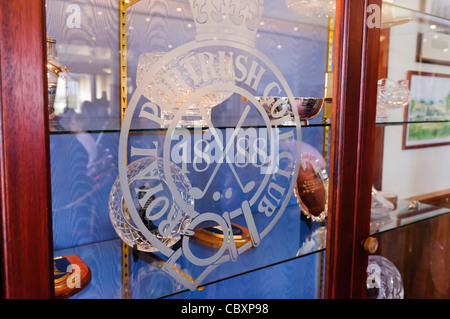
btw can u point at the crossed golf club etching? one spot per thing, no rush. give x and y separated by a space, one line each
244 209
196 192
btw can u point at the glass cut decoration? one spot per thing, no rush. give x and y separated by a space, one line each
179 71
312 8
312 188
314 242
384 280
381 207
147 196
391 95
54 71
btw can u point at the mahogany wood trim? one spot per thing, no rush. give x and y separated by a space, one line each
379 131
378 158
352 149
439 198
431 196
26 238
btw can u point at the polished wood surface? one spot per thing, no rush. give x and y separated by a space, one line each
352 149
383 62
439 198
421 253
27 270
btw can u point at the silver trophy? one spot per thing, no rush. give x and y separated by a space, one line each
54 71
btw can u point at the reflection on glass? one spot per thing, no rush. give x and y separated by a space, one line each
91 55
278 107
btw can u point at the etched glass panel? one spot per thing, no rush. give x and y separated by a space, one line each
193 132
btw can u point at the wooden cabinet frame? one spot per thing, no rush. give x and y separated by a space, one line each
27 253
352 149
27 270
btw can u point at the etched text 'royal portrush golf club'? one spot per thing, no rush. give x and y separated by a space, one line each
163 197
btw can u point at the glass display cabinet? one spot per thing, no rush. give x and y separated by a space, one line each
225 149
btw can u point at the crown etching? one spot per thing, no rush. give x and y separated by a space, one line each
233 20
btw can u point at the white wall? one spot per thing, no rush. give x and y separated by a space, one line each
416 171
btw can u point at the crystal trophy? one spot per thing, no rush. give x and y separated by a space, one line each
178 71
312 8
391 95
381 209
384 280
147 198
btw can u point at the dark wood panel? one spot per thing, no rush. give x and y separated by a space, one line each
26 233
421 253
352 149
383 62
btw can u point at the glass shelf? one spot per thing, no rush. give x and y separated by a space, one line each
148 280
161 130
142 130
432 8
405 214
387 123
306 240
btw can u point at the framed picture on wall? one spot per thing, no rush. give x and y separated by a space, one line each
433 47
428 112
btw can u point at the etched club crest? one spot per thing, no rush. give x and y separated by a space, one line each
234 178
